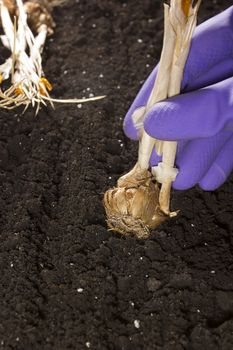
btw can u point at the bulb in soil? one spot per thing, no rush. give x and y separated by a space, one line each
38 15
132 207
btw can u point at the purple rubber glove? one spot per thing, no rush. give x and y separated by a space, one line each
201 119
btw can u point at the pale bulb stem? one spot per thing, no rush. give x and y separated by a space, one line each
159 91
169 174
169 148
178 31
146 145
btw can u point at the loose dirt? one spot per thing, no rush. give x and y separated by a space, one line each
66 282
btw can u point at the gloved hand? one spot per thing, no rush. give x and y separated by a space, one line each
201 119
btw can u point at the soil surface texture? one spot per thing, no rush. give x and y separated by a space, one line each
66 282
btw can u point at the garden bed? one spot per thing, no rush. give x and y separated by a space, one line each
67 282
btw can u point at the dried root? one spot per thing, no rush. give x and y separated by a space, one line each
26 26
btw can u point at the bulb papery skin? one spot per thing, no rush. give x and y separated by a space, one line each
132 207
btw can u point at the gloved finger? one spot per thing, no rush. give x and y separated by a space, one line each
202 113
180 147
220 169
211 53
196 158
132 127
219 72
210 60
133 122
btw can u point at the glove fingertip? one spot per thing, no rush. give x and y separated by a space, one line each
130 130
181 186
214 178
184 180
161 120
153 125
208 186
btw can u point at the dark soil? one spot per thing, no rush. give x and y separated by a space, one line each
66 282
